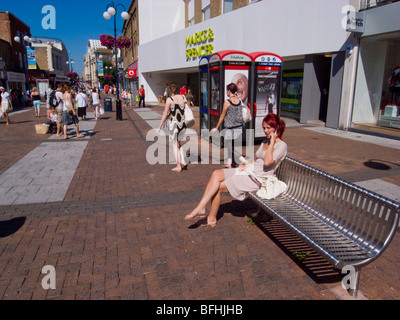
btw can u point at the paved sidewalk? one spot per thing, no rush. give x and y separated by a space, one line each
112 224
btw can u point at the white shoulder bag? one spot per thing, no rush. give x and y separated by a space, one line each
270 188
189 117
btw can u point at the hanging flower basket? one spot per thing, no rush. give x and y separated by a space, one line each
123 42
72 75
107 41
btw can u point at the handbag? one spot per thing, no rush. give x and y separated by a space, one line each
270 186
246 113
189 117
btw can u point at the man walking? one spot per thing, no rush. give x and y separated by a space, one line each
142 96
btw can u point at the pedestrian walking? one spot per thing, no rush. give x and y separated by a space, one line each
238 182
35 97
95 103
56 100
232 117
129 98
48 92
175 111
81 101
142 95
69 113
6 104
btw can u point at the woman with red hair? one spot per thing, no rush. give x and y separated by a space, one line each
238 182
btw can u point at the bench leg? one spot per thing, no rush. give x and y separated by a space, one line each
353 289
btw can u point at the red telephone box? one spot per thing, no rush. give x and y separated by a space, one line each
266 91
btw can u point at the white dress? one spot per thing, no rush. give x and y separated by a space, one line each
239 185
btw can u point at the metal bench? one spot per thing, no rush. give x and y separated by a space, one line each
348 225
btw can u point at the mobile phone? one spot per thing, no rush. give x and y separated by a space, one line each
277 129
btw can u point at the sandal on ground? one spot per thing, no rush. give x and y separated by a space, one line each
176 169
205 223
198 215
184 167
80 136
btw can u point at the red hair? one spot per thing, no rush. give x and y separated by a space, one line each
274 121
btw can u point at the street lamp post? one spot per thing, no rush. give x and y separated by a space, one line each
111 10
25 41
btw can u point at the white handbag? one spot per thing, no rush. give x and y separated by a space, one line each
271 187
246 113
189 117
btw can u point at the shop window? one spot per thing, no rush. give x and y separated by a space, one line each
377 90
292 87
227 6
206 13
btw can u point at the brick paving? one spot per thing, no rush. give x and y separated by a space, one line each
119 233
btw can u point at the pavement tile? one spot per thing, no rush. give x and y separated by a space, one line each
119 231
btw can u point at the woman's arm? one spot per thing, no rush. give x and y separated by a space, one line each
165 114
70 103
223 114
269 155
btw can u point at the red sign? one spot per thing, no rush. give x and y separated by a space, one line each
131 73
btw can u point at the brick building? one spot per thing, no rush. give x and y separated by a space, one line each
13 54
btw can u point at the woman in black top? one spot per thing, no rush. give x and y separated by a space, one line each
175 111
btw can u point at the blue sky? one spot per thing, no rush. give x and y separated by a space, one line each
76 22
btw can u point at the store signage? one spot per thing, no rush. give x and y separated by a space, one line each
355 22
100 70
131 73
31 58
199 44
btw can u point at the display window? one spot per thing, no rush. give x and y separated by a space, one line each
377 89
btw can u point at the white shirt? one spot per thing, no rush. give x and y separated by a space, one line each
81 99
48 93
95 97
4 98
59 97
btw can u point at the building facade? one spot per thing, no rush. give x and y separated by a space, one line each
330 76
377 83
13 73
52 60
93 62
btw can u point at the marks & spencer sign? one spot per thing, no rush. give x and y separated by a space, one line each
199 44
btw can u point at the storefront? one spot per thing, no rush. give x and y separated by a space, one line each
16 81
377 88
312 68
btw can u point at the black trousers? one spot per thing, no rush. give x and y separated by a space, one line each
140 102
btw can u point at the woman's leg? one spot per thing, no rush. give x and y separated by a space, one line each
5 114
176 147
215 204
213 187
65 132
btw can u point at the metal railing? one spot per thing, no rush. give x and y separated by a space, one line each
367 4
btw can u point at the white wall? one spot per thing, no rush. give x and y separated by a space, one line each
371 66
158 18
285 27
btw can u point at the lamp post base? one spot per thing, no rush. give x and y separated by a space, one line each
119 110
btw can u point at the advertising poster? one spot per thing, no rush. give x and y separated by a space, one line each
240 77
100 70
267 95
31 58
203 100
214 90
